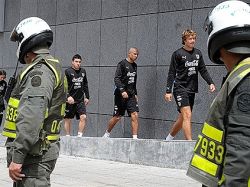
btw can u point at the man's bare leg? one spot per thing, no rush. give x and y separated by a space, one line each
186 125
134 124
82 124
112 122
67 126
176 127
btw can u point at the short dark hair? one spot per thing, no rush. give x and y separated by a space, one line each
76 56
2 72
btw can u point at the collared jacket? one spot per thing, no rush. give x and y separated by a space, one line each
222 152
35 111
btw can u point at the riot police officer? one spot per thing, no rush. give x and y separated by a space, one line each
36 107
222 152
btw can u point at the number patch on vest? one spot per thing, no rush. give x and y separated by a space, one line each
11 114
209 149
55 127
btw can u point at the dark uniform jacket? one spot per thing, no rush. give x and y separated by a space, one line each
35 112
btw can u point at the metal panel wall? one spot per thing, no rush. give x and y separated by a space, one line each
2 7
102 31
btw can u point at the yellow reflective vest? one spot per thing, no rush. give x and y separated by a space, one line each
206 165
55 111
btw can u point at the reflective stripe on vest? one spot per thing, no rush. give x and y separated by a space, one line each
11 114
52 137
48 64
9 129
209 151
55 72
11 111
206 165
63 109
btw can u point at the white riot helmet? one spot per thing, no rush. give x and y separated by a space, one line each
30 33
228 26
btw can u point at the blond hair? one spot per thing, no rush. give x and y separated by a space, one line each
186 34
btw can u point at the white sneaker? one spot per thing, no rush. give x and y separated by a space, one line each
135 137
169 138
106 135
79 134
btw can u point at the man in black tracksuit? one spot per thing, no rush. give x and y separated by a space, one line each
186 62
126 93
78 95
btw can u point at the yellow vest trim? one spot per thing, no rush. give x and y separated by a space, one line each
244 62
26 70
240 76
54 60
248 182
46 113
244 73
13 102
53 137
212 132
221 180
55 72
10 125
63 109
9 134
204 165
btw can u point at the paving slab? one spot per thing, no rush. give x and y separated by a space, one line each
73 171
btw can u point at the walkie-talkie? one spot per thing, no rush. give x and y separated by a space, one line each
11 85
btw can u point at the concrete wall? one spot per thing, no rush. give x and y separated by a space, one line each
174 154
102 31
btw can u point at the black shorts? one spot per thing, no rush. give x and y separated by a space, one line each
183 99
121 105
76 109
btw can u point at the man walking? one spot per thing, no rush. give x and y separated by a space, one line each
185 64
78 95
126 93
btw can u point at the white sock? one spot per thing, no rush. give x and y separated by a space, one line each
135 136
79 134
169 137
67 135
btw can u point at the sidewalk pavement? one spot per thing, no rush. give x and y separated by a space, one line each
83 172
